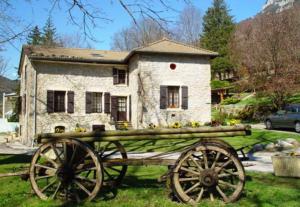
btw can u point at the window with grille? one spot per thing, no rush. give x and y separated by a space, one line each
173 97
59 101
96 102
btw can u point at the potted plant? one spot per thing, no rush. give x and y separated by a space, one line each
287 165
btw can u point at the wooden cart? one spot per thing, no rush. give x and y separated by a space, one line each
75 166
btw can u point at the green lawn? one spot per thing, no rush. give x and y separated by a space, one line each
140 187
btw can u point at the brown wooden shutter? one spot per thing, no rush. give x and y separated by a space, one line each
88 102
127 73
70 102
50 101
130 112
107 103
184 97
114 107
115 76
163 97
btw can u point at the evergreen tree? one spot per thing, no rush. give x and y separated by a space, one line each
49 34
218 27
34 37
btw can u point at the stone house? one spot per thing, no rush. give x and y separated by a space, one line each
160 83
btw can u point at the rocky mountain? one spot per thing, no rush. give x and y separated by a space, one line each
278 5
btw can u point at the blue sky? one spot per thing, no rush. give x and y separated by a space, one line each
36 13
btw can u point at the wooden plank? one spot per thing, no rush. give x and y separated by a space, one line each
155 137
138 162
245 128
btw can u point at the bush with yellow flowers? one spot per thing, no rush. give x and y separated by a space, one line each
176 125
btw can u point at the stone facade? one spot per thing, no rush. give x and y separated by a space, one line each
146 73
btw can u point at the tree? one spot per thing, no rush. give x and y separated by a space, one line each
189 26
34 37
147 31
218 27
266 51
49 37
75 40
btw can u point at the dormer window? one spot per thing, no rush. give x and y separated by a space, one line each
119 76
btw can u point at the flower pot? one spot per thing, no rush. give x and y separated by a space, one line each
286 165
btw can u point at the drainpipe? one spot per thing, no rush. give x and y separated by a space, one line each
34 106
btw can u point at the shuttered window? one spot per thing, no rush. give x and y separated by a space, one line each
59 101
93 102
173 97
56 101
170 97
119 76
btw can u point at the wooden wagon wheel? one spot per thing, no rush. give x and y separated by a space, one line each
66 169
110 153
208 170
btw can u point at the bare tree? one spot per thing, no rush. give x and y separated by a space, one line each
3 66
11 27
144 32
75 40
189 25
266 51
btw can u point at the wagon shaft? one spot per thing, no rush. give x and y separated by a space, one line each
154 134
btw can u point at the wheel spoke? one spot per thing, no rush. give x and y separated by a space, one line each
192 188
85 179
221 182
65 152
216 160
188 179
82 188
43 177
200 195
225 198
85 169
45 167
224 165
205 159
211 195
56 190
189 170
56 153
73 155
104 149
49 185
196 163
109 175
111 153
114 169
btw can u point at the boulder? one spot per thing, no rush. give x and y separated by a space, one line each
284 145
293 142
270 147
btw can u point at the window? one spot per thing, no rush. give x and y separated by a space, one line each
173 97
119 76
96 102
93 102
59 101
56 101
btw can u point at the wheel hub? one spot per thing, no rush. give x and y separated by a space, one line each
209 178
65 174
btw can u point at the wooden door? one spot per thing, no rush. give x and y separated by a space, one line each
122 109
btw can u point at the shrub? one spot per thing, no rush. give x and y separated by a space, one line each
152 126
230 100
255 112
219 84
193 124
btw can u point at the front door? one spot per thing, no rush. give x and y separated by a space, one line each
122 109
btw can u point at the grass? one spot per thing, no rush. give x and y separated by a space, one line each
140 187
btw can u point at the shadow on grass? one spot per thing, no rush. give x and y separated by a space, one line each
15 159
